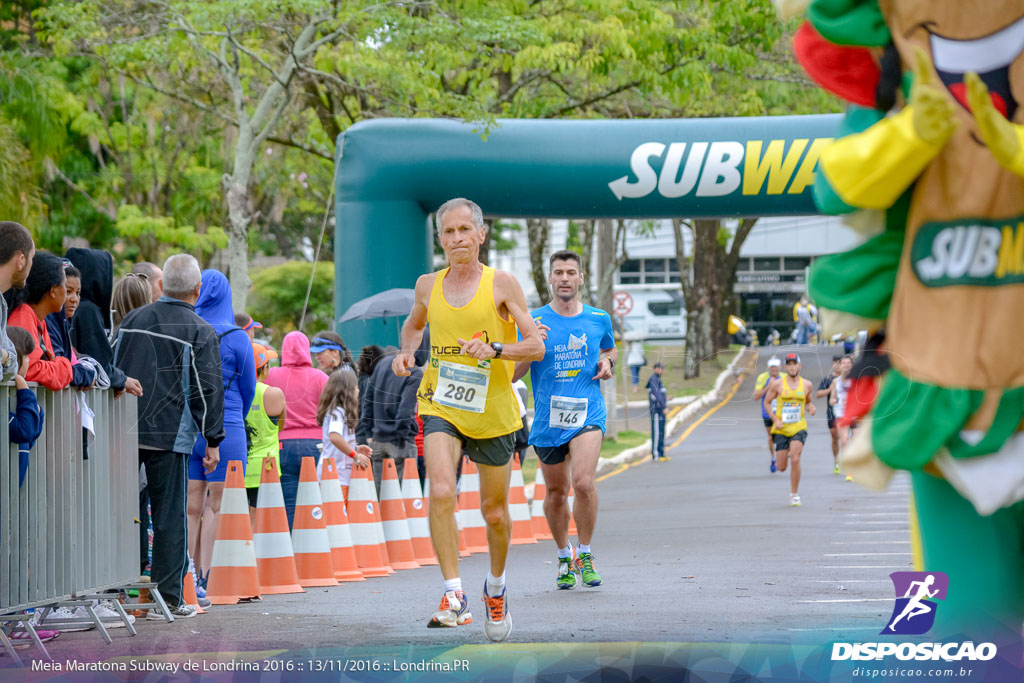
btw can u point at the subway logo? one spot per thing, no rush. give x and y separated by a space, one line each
716 169
985 253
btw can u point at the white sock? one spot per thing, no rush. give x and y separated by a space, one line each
565 553
583 548
495 585
453 585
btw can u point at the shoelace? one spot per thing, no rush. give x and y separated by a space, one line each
495 607
587 563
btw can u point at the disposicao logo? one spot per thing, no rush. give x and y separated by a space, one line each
913 615
914 611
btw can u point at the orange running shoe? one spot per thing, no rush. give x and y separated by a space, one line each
454 611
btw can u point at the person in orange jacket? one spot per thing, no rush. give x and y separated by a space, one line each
44 293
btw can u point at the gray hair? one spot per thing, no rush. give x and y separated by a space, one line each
181 276
474 209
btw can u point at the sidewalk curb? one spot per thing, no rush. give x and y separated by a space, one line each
693 406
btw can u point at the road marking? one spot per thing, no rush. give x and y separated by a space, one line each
861 554
862 566
880 521
689 430
849 600
845 581
685 434
835 628
872 531
900 513
870 542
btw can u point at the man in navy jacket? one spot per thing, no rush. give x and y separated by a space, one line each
658 399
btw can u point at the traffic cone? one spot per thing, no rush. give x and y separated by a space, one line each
233 574
338 534
417 515
379 531
275 561
469 503
309 531
189 594
572 520
397 538
519 509
538 522
365 525
463 546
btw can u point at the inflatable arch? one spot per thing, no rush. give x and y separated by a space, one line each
392 173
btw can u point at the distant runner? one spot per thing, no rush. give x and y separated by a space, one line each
569 419
466 399
790 420
760 389
825 391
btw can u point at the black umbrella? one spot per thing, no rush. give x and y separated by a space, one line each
387 304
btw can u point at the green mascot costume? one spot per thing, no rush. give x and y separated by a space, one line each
929 166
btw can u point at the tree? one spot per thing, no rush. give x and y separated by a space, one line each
280 291
538 231
236 61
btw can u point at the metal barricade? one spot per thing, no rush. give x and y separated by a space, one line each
71 528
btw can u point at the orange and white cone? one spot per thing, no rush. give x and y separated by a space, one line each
396 529
189 594
275 561
365 525
538 521
572 520
309 531
469 502
338 534
518 508
380 521
233 575
417 515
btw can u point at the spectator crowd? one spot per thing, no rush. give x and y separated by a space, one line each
208 392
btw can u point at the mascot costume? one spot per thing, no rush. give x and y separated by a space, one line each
929 168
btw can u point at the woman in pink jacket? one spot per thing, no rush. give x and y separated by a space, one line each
301 436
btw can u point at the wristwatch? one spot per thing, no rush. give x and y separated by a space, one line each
611 363
498 348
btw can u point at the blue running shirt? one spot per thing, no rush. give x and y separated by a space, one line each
566 398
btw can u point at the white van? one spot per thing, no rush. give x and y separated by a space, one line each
657 312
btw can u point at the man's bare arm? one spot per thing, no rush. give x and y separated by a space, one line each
412 329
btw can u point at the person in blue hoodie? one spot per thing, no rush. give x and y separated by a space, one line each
26 420
238 369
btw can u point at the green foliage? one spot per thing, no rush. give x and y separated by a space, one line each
279 291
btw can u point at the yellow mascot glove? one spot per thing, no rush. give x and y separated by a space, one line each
933 110
1004 139
871 169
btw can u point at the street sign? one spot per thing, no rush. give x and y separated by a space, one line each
623 303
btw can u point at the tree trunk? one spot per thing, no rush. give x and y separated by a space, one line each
588 295
727 275
608 255
537 232
239 218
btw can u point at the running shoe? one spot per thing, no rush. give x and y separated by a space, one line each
79 618
835 468
566 580
109 616
772 467
585 566
794 500
499 622
849 478
179 612
454 611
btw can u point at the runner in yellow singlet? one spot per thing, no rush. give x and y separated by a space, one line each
792 395
466 399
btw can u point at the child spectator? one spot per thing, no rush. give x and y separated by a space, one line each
25 423
248 325
338 414
131 292
44 293
59 326
262 424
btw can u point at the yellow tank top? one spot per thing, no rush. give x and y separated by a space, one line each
790 408
475 396
264 439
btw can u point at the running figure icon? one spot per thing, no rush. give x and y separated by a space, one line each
915 606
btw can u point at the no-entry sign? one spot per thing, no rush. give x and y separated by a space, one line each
623 303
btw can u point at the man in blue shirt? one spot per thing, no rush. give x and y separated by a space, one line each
569 411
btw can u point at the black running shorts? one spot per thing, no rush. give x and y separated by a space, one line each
552 455
782 442
495 452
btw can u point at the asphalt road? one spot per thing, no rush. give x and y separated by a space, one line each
702 548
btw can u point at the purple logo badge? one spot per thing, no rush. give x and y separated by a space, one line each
914 611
